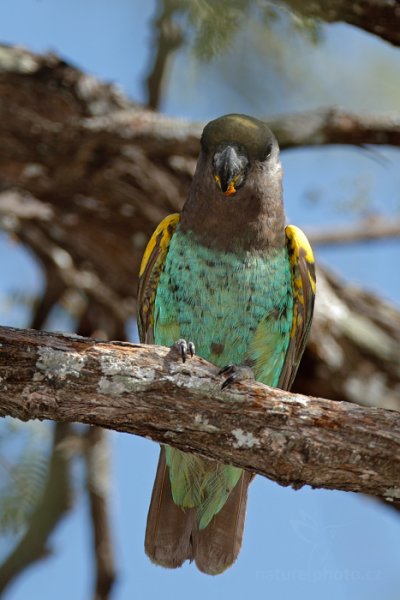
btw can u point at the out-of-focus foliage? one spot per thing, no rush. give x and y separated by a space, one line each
210 26
22 473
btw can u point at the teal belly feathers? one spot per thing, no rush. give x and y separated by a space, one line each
236 309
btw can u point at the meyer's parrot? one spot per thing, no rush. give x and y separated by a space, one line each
227 275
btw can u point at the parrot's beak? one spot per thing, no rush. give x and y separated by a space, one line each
230 165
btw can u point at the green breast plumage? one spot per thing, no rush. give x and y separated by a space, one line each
236 308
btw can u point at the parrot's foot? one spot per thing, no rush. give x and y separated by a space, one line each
184 348
235 374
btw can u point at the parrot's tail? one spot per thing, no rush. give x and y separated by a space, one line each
173 536
168 540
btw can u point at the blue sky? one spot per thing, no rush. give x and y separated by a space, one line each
305 543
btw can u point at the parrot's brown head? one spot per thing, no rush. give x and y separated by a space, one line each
235 145
235 199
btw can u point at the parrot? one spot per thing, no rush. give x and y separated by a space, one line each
227 279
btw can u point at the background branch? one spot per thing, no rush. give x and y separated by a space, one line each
306 440
372 228
168 37
380 17
335 126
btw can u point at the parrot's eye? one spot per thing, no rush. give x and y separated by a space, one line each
267 152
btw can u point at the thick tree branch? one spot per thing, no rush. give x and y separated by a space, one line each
292 439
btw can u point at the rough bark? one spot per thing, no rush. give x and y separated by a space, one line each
147 390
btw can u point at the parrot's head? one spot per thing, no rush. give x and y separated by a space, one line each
235 198
236 147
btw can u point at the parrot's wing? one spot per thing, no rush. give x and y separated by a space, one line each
150 270
168 540
303 286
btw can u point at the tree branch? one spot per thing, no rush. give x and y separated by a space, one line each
374 228
335 126
380 17
292 439
168 37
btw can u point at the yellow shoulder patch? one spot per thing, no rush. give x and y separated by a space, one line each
299 246
161 237
298 240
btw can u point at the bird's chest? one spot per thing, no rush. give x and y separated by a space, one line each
216 299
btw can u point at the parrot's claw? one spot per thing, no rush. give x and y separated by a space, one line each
235 374
184 348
